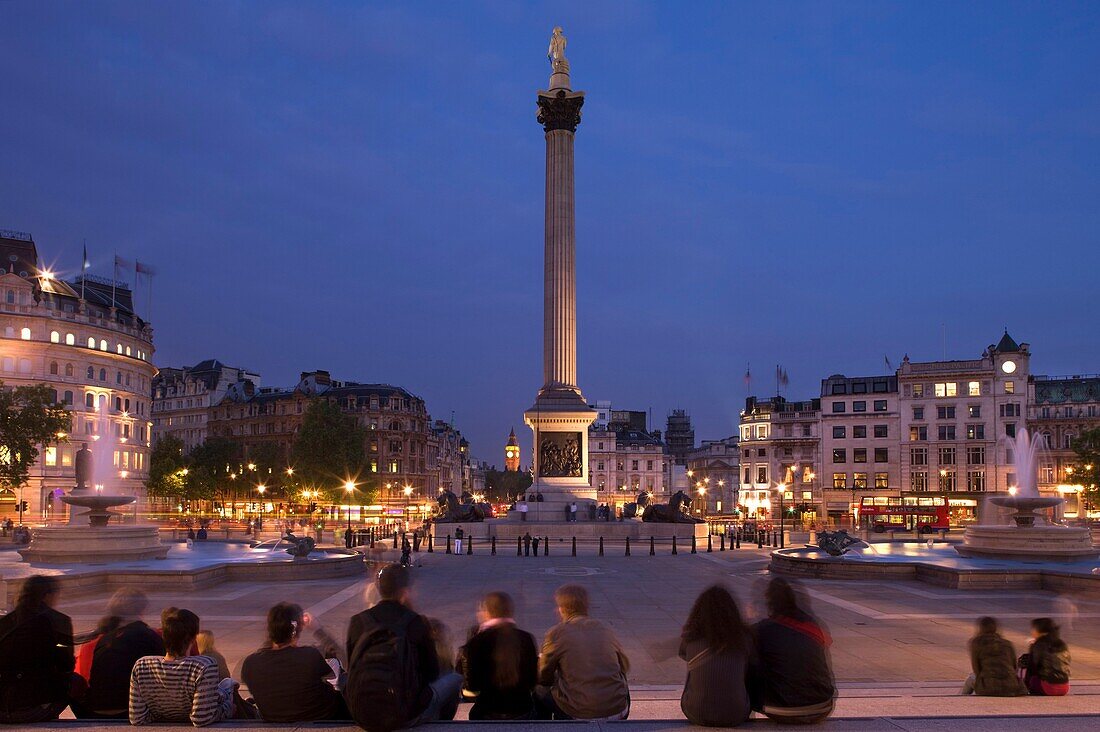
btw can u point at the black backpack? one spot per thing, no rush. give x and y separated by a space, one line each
383 685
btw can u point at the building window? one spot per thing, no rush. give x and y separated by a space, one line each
880 405
838 433
947 432
918 481
918 455
859 480
945 413
1013 410
948 389
973 388
1010 429
25 334
838 408
839 389
975 456
807 430
975 432
882 480
70 339
882 430
859 455
633 464
103 374
859 431
974 410
947 456
860 406
840 481
859 387
762 474
761 431
918 391
91 342
53 368
882 454
55 337
947 480
975 480
918 433
840 455
1010 387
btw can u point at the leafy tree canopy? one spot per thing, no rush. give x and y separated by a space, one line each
29 417
329 450
1086 466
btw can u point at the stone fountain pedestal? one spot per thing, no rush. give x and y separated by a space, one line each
1030 538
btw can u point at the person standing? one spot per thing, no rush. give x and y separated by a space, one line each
993 661
501 663
573 511
535 546
522 508
36 655
792 676
582 669
716 644
459 534
527 544
1046 664
393 676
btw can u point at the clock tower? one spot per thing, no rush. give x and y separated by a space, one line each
511 453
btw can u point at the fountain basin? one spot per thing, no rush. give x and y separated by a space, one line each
94 544
1023 541
1026 506
97 505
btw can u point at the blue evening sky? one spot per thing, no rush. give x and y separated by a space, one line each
359 188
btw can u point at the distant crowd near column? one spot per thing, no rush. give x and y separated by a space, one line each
397 668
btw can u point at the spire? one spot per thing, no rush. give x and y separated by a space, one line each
1007 344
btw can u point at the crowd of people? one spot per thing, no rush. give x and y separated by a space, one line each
397 668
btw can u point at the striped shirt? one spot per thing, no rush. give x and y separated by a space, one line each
179 690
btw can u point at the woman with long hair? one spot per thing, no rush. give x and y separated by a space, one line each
716 644
290 682
792 675
500 663
1046 664
36 655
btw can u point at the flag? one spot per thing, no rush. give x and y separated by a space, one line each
781 376
121 263
86 263
142 268
889 366
748 376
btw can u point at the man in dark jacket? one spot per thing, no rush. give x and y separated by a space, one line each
793 673
993 660
501 663
36 655
437 697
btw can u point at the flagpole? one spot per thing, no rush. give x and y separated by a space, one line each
114 280
83 268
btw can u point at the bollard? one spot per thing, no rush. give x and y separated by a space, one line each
546 547
448 543
694 549
710 544
394 539
519 546
601 546
493 547
430 549
721 542
674 544
651 550
574 546
372 539
759 539
627 546
737 540
469 545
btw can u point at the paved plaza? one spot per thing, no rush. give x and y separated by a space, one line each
904 634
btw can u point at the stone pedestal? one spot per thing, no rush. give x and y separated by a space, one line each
93 544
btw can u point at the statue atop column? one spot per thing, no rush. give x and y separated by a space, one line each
558 62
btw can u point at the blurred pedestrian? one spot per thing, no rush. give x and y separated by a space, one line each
204 644
993 661
716 644
501 663
1046 663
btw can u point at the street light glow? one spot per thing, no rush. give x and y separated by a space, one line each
349 486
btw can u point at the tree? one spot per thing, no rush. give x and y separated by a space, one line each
168 470
1086 466
328 451
208 473
29 417
504 485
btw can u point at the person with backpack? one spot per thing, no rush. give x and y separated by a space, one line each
792 679
394 678
289 682
110 657
501 663
36 655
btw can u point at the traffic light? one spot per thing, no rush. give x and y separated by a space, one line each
23 507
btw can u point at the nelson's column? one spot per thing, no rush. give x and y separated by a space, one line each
560 416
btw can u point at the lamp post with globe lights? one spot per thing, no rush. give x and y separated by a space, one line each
781 489
349 488
407 490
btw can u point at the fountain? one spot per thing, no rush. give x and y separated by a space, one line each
88 538
1027 538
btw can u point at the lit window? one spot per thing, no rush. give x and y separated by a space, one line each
25 334
119 349
70 339
127 350
918 391
51 456
91 342
1010 387
974 388
102 344
55 337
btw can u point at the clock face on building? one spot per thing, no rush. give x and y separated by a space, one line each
1008 367
510 453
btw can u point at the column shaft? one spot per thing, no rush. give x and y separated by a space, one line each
559 286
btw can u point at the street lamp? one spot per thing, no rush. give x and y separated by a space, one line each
702 491
349 486
261 489
781 489
407 490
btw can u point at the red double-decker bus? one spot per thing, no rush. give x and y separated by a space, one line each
908 513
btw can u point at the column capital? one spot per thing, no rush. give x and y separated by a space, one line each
560 110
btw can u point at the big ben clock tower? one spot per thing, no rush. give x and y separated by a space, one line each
511 453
